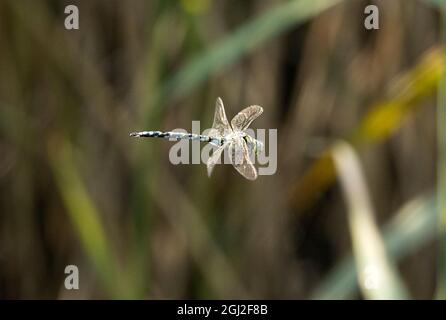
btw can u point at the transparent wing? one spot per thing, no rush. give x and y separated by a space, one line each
212 161
220 127
240 159
243 119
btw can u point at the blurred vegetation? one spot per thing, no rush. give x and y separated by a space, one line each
441 184
75 189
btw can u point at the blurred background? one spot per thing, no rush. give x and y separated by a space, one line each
76 190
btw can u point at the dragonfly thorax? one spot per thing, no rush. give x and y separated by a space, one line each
236 134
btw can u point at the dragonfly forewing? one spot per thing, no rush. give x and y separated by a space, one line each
220 127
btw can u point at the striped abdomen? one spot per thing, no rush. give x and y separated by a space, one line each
178 136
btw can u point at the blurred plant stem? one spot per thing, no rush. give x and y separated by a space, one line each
377 276
380 122
249 36
441 163
408 230
149 114
85 218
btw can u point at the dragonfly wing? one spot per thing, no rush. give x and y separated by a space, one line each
212 161
240 159
243 119
220 127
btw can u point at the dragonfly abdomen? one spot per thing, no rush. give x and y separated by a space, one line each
177 136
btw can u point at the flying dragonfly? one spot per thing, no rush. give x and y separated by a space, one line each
224 136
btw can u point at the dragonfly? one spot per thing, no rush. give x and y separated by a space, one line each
232 137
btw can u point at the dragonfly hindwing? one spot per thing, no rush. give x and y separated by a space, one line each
243 119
